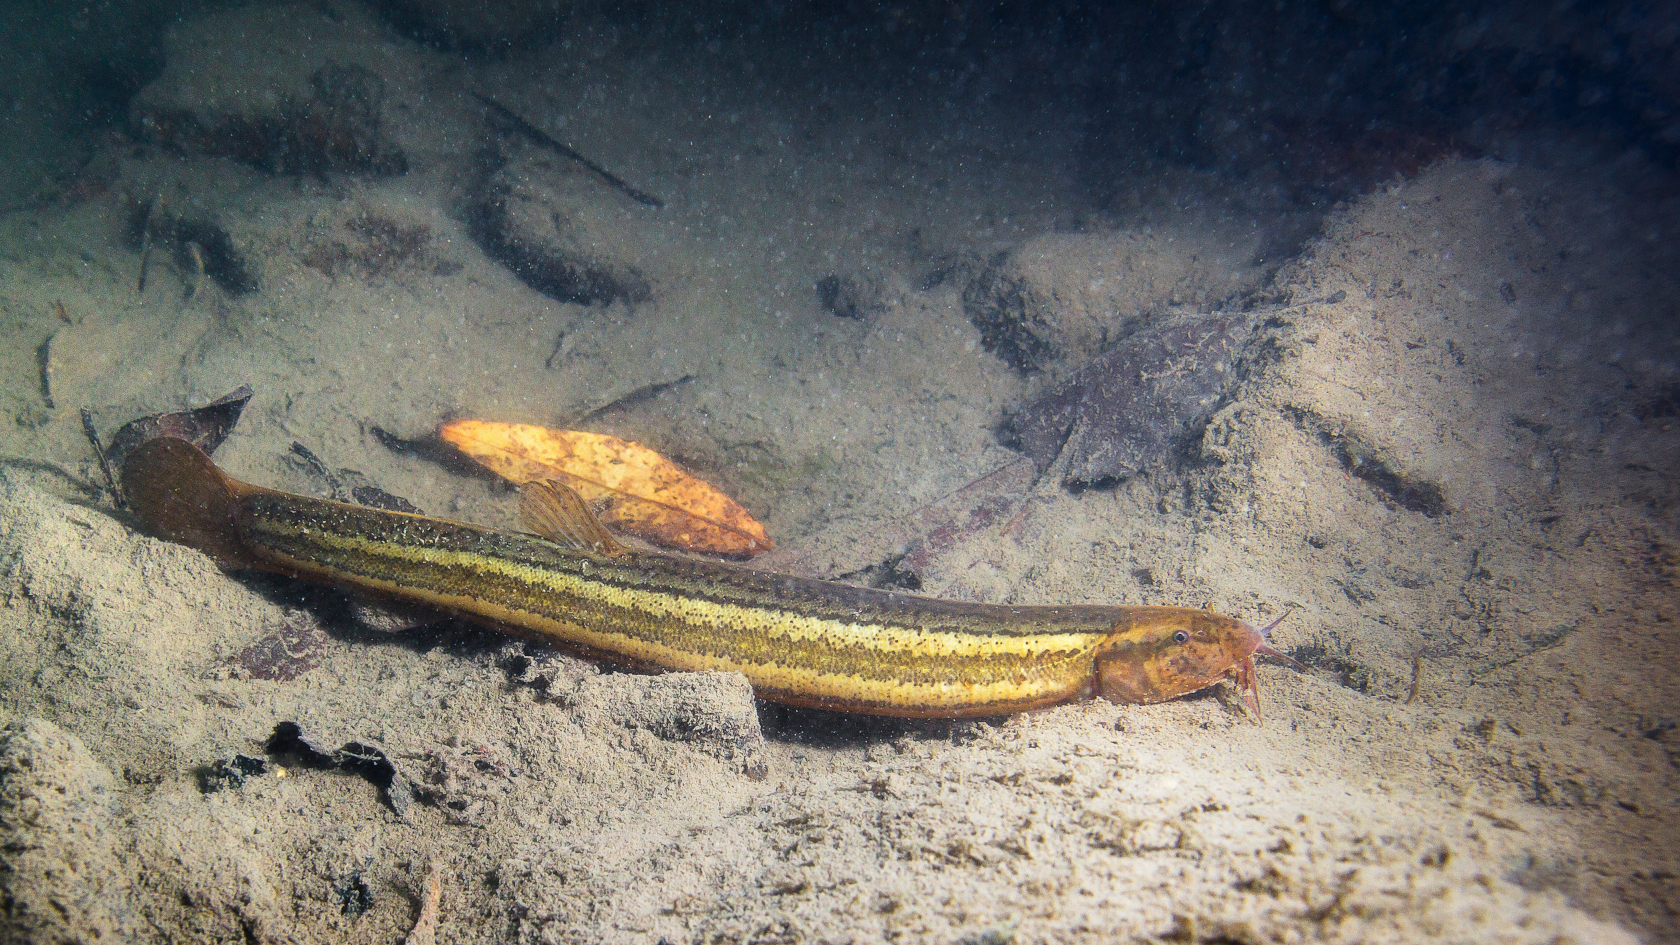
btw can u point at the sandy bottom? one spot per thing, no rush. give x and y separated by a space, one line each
1486 747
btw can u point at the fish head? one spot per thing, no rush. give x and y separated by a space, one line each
1167 652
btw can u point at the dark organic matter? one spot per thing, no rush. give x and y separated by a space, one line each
333 126
1135 405
361 758
205 427
198 244
550 248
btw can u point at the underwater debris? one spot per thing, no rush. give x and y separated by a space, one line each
853 295
554 227
92 434
1059 299
1135 406
373 246
333 124
1335 655
354 895
1373 467
225 773
361 758
541 137
431 893
288 651
205 427
627 401
644 493
44 358
556 235
901 552
202 248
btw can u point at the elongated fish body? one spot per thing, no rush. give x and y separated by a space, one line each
799 641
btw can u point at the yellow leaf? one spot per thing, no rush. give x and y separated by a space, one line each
646 495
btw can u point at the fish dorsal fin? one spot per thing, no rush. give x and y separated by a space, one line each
551 509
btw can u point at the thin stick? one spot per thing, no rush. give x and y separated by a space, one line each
319 468
425 927
195 254
559 341
145 261
104 461
146 243
543 138
44 355
1417 679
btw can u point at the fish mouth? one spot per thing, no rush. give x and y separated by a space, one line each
1243 672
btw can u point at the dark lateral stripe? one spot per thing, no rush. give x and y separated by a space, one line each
803 641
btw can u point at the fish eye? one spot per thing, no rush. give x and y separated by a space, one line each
1181 637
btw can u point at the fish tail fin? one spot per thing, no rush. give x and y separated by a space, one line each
179 495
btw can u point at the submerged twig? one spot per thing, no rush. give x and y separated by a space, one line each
425 927
44 355
641 394
559 342
196 255
543 138
146 244
317 466
104 461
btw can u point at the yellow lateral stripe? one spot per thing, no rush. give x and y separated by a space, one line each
879 636
889 643
787 679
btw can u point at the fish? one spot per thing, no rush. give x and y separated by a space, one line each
799 641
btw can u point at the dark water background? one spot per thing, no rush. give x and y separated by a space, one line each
1320 99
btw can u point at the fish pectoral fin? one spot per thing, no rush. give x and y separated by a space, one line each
552 510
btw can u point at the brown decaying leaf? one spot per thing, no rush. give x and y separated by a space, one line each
645 494
1131 408
205 427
